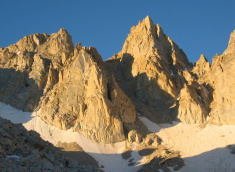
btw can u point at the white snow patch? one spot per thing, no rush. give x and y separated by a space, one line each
16 157
13 114
178 97
150 125
108 155
202 149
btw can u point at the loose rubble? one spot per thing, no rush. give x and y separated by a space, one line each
23 150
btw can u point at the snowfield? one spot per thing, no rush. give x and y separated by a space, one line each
108 155
203 149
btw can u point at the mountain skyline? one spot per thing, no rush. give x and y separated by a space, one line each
133 112
197 27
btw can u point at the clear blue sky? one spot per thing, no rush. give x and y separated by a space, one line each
197 26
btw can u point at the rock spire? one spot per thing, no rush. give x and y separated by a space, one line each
68 85
150 71
71 87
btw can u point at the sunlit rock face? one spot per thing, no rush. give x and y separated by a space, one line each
220 77
150 70
72 88
88 99
68 85
30 67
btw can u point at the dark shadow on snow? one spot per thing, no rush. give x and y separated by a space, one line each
220 159
211 161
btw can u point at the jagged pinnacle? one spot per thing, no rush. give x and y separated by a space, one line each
148 22
203 58
63 31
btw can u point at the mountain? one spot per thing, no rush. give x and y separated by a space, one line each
219 77
116 101
30 68
155 73
72 87
68 85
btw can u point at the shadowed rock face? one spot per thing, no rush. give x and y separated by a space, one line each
71 86
30 67
150 70
68 85
88 99
220 77
223 84
26 151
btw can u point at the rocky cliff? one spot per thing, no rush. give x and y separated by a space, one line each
88 99
71 87
219 77
151 71
29 68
